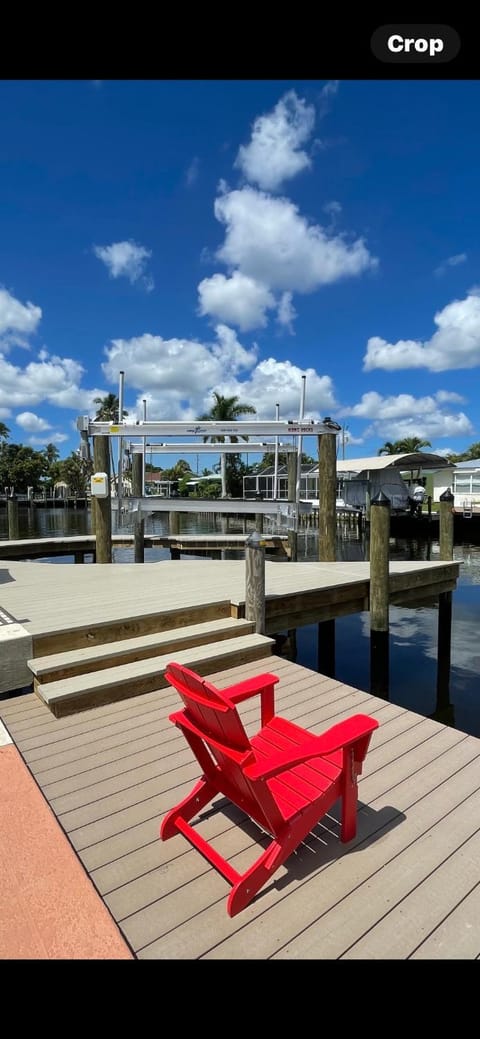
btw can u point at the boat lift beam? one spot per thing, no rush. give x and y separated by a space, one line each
247 447
203 429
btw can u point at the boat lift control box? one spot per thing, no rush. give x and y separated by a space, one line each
99 485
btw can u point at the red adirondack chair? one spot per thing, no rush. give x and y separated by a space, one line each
284 777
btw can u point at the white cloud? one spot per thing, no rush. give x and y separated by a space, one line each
455 344
444 396
31 423
330 88
52 438
177 377
268 240
52 379
17 320
275 152
452 261
238 299
179 373
191 176
273 382
409 416
232 354
126 260
286 313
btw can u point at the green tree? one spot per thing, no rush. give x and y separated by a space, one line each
410 444
226 409
177 471
471 452
107 411
21 467
4 431
389 448
76 472
407 446
269 460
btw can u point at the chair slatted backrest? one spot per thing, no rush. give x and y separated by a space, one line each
218 719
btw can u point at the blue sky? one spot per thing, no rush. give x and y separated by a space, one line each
234 236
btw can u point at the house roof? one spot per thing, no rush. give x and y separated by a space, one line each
415 460
472 463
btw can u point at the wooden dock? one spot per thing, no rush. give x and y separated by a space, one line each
407 887
81 545
89 634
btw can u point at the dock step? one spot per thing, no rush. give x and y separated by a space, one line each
72 636
142 676
58 666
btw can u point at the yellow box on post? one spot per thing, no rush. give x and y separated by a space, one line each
99 485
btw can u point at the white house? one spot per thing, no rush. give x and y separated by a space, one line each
463 479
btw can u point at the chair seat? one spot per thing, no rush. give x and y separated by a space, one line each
301 785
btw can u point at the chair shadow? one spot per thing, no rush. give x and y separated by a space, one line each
322 845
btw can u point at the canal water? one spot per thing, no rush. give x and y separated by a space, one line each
413 640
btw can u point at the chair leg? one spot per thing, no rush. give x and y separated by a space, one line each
257 876
202 793
349 801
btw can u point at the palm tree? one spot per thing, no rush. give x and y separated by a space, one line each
4 431
411 444
225 409
407 446
389 448
107 411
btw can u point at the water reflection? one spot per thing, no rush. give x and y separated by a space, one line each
413 640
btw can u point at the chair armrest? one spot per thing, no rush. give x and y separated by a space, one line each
339 737
263 684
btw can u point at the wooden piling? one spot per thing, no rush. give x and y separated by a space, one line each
102 506
258 522
327 494
446 525
255 581
139 538
379 595
12 518
292 545
291 476
137 475
174 522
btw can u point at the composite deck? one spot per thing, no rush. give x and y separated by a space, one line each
53 597
408 886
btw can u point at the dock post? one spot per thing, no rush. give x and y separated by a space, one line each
379 595
173 522
327 495
446 524
12 516
137 474
258 522
292 545
102 507
139 536
327 534
255 581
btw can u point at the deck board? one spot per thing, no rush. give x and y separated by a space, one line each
408 885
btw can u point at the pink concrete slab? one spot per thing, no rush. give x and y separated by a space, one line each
49 908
